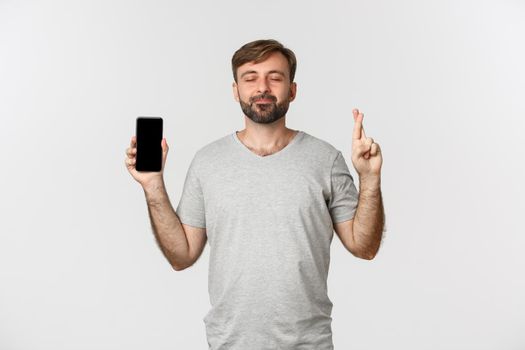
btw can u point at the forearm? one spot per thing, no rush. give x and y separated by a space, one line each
166 225
370 218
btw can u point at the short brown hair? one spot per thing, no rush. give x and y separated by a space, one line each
258 50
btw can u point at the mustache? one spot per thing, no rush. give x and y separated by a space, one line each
263 96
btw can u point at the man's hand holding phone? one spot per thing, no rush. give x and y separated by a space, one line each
145 178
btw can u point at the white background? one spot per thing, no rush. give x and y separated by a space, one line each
441 84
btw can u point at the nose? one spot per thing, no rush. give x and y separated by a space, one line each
263 86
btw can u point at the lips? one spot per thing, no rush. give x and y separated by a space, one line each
263 101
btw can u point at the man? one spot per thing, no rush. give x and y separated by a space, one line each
268 198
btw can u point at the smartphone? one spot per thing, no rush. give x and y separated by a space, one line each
149 147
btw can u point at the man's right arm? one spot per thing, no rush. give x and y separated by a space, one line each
166 226
181 244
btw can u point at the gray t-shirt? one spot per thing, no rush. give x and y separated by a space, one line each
269 225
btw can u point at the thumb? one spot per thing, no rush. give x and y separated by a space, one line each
165 147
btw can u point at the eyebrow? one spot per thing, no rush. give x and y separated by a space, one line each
270 72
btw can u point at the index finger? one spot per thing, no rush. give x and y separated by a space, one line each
133 141
358 125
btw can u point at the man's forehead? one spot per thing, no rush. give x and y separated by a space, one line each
271 64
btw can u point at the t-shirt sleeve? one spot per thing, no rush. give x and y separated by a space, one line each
344 196
191 204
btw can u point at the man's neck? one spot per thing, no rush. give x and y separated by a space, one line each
265 141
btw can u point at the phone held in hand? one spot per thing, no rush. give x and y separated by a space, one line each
149 147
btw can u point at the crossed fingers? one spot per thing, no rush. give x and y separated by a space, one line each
359 131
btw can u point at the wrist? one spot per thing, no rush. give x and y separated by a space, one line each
371 182
154 185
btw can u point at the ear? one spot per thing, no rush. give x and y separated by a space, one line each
235 91
293 91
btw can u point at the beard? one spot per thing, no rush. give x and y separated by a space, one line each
264 113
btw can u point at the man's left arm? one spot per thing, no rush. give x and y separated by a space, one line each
369 220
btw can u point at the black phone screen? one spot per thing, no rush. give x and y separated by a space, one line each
149 147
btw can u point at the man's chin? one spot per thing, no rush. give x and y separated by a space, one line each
265 119
262 112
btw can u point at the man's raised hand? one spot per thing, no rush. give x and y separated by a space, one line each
145 178
366 154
